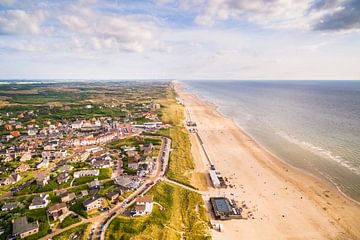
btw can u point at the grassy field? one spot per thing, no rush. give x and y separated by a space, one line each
80 230
70 220
181 163
183 214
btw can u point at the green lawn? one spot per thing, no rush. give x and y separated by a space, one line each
80 230
131 141
41 216
78 207
70 220
184 211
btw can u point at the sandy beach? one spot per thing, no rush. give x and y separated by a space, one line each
283 202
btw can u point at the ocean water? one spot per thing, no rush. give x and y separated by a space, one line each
313 125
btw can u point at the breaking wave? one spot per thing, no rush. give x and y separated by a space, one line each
320 152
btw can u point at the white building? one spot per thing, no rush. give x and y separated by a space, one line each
43 164
40 201
144 205
214 179
86 173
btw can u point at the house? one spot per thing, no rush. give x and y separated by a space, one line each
147 148
123 181
101 163
12 179
133 166
95 184
127 182
144 205
22 228
32 132
66 168
8 158
86 173
81 156
40 201
131 153
58 211
43 164
8 206
67 197
83 193
54 154
93 202
25 157
15 133
114 195
8 127
22 168
43 180
62 178
146 165
77 124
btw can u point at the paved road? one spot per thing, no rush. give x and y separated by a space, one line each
105 218
161 166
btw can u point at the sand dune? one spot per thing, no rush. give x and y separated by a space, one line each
285 202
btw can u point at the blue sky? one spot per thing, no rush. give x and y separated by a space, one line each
180 39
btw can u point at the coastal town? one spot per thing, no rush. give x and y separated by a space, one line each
123 160
57 173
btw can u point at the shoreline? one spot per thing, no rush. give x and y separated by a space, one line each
326 182
323 195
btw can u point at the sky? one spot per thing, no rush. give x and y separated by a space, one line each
180 39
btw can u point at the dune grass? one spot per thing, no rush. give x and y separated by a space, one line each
183 214
181 163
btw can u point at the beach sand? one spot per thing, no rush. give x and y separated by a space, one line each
285 202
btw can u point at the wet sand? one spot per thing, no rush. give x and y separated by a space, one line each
282 202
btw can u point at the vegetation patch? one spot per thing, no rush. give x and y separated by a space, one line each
70 220
69 234
181 163
78 207
183 214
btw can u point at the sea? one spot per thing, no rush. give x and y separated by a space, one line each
312 125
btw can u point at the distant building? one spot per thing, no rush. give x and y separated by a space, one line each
65 168
101 163
96 184
12 179
62 178
22 228
147 148
67 197
43 181
43 164
25 157
114 195
8 206
144 205
77 124
86 173
214 179
40 201
58 211
22 168
93 202
223 209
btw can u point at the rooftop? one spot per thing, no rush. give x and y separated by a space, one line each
147 198
21 225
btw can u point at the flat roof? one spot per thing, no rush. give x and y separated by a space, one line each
221 205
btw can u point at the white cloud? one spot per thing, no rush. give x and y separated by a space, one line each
279 13
100 31
20 22
7 2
